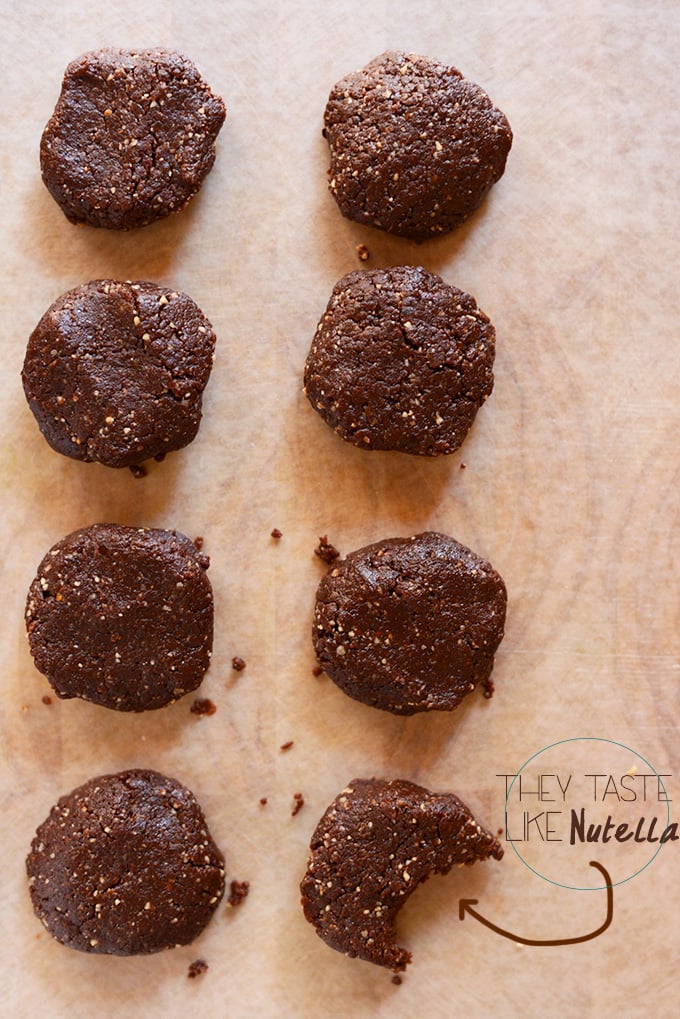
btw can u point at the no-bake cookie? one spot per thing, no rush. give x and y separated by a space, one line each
401 361
132 137
115 372
410 624
374 845
125 865
414 146
122 616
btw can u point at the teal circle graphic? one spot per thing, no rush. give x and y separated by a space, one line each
584 739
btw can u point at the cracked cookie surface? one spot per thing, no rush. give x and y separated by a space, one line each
410 624
374 845
400 361
125 865
132 137
122 616
115 371
414 146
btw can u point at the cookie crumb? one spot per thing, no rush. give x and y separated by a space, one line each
276 533
237 892
317 671
326 551
463 466
137 471
298 804
287 745
363 252
46 699
263 801
197 968
198 542
396 979
238 664
203 706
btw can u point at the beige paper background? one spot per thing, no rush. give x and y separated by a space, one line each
570 488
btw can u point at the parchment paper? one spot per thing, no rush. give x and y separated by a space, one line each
569 487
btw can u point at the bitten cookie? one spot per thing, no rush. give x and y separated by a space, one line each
122 616
375 844
131 139
400 361
414 145
114 372
125 865
410 624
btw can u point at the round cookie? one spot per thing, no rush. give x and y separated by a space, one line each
122 616
131 139
400 360
410 624
125 865
414 145
114 372
375 844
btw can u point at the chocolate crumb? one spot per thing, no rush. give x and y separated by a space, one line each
198 543
237 892
317 671
363 252
276 533
500 831
238 664
396 979
137 471
326 551
488 688
197 968
203 706
463 466
263 801
298 804
160 457
287 745
46 699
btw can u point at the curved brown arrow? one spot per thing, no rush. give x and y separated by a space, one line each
465 906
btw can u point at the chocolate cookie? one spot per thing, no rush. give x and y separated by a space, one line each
122 616
131 139
414 145
114 372
410 624
125 865
400 360
375 844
